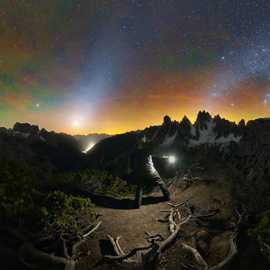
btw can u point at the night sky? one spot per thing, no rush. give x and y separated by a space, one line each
111 66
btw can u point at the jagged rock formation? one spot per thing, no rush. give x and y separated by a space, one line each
245 148
26 129
171 136
186 128
163 135
205 130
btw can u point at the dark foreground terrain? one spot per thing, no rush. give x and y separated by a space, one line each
63 209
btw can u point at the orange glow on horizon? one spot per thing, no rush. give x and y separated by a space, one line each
146 103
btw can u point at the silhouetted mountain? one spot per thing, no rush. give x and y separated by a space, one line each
185 127
26 143
244 147
171 136
26 129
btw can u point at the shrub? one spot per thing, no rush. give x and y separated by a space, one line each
94 181
26 207
262 230
66 214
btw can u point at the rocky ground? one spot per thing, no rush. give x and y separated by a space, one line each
131 225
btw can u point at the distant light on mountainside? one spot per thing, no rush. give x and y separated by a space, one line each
89 147
171 159
86 142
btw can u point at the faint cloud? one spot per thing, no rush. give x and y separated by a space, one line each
15 100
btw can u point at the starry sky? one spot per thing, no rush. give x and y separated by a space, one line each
83 66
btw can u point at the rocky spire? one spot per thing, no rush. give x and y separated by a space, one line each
166 120
185 126
202 118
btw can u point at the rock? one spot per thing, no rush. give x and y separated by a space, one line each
203 118
185 127
26 128
242 123
166 120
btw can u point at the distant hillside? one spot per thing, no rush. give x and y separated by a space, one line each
86 142
27 143
171 137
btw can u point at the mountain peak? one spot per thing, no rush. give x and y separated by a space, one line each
203 118
185 120
242 123
26 128
167 120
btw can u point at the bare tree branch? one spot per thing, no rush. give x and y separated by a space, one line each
65 249
172 224
92 230
196 254
153 238
232 252
118 245
173 236
43 257
124 257
83 240
211 213
115 247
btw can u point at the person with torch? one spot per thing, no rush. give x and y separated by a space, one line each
146 174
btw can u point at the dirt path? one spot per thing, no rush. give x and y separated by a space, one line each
131 224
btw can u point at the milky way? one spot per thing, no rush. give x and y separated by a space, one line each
111 66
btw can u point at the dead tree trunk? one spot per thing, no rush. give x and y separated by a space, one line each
138 196
164 189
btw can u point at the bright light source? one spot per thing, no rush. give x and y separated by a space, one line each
171 159
89 147
76 123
